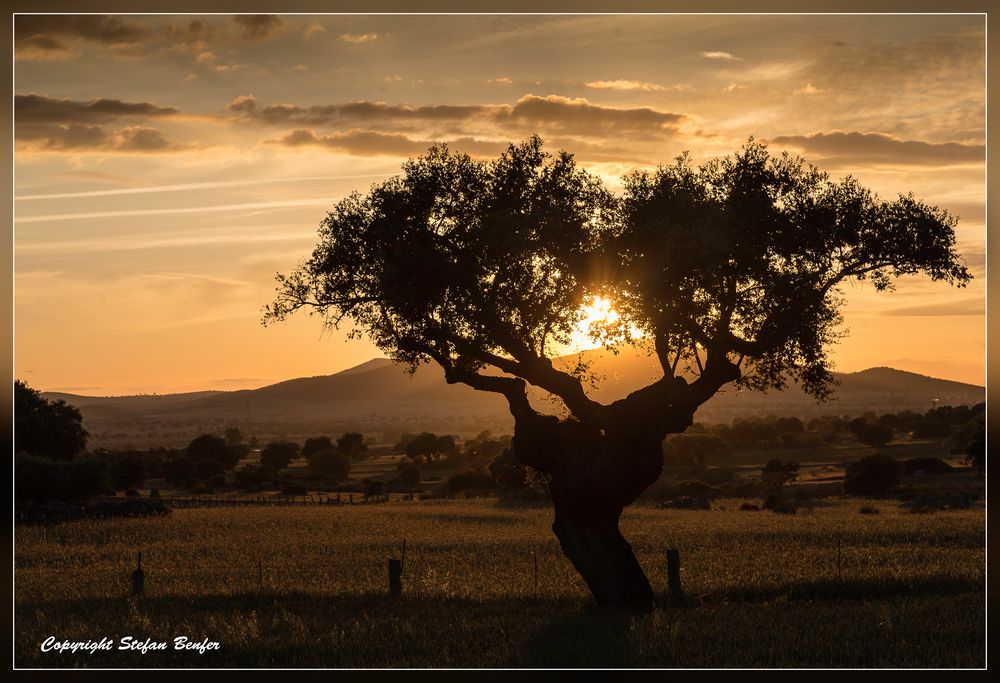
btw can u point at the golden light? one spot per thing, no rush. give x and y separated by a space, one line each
598 313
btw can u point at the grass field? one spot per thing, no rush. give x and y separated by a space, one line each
305 587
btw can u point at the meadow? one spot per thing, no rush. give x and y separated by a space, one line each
306 587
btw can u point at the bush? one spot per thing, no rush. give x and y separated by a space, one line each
206 469
127 473
294 489
775 475
872 475
38 479
508 472
279 454
178 470
409 475
211 447
470 480
315 445
352 444
330 463
249 476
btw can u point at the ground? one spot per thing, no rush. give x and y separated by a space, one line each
306 586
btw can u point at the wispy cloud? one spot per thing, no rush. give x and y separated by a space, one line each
46 218
625 85
716 54
358 37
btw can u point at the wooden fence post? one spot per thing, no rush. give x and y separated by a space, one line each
395 578
674 575
138 577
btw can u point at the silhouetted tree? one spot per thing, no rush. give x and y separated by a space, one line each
178 470
352 444
730 271
128 472
331 463
51 429
212 447
315 445
234 436
279 454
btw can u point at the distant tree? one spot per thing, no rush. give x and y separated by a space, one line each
315 445
509 473
52 429
178 470
352 444
696 449
970 440
212 447
206 469
426 447
128 473
409 475
775 475
279 454
729 270
330 463
38 479
875 474
234 436
871 433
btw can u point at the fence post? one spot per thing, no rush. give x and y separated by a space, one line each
138 577
260 575
395 578
674 575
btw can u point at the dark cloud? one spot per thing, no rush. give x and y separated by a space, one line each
30 109
258 27
965 307
374 143
46 35
878 148
528 114
82 137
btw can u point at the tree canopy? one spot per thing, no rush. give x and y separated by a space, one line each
52 429
728 272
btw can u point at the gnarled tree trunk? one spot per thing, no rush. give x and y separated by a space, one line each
595 474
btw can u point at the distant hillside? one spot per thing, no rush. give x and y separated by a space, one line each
378 391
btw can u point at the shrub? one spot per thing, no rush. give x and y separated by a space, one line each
470 480
294 489
128 472
508 472
254 475
775 475
211 447
330 463
178 470
352 444
39 479
206 469
279 454
872 475
409 475
315 445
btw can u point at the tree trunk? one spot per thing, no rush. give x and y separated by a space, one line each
594 474
604 559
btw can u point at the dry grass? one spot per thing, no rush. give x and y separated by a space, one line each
767 589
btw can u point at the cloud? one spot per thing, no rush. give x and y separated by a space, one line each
553 113
857 147
975 306
717 55
67 124
373 143
625 85
809 89
313 29
83 137
47 36
259 27
358 37
42 109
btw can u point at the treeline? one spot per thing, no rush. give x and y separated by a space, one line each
958 425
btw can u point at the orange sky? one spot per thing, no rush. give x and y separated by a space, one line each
167 167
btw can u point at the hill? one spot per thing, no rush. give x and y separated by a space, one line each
378 396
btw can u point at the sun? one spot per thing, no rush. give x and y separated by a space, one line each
598 312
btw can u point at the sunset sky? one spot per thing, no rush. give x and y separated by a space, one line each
167 167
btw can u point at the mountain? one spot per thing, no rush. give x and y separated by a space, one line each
379 393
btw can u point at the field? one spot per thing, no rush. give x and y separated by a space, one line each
306 587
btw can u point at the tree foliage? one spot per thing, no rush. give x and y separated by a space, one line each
212 447
51 429
730 271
